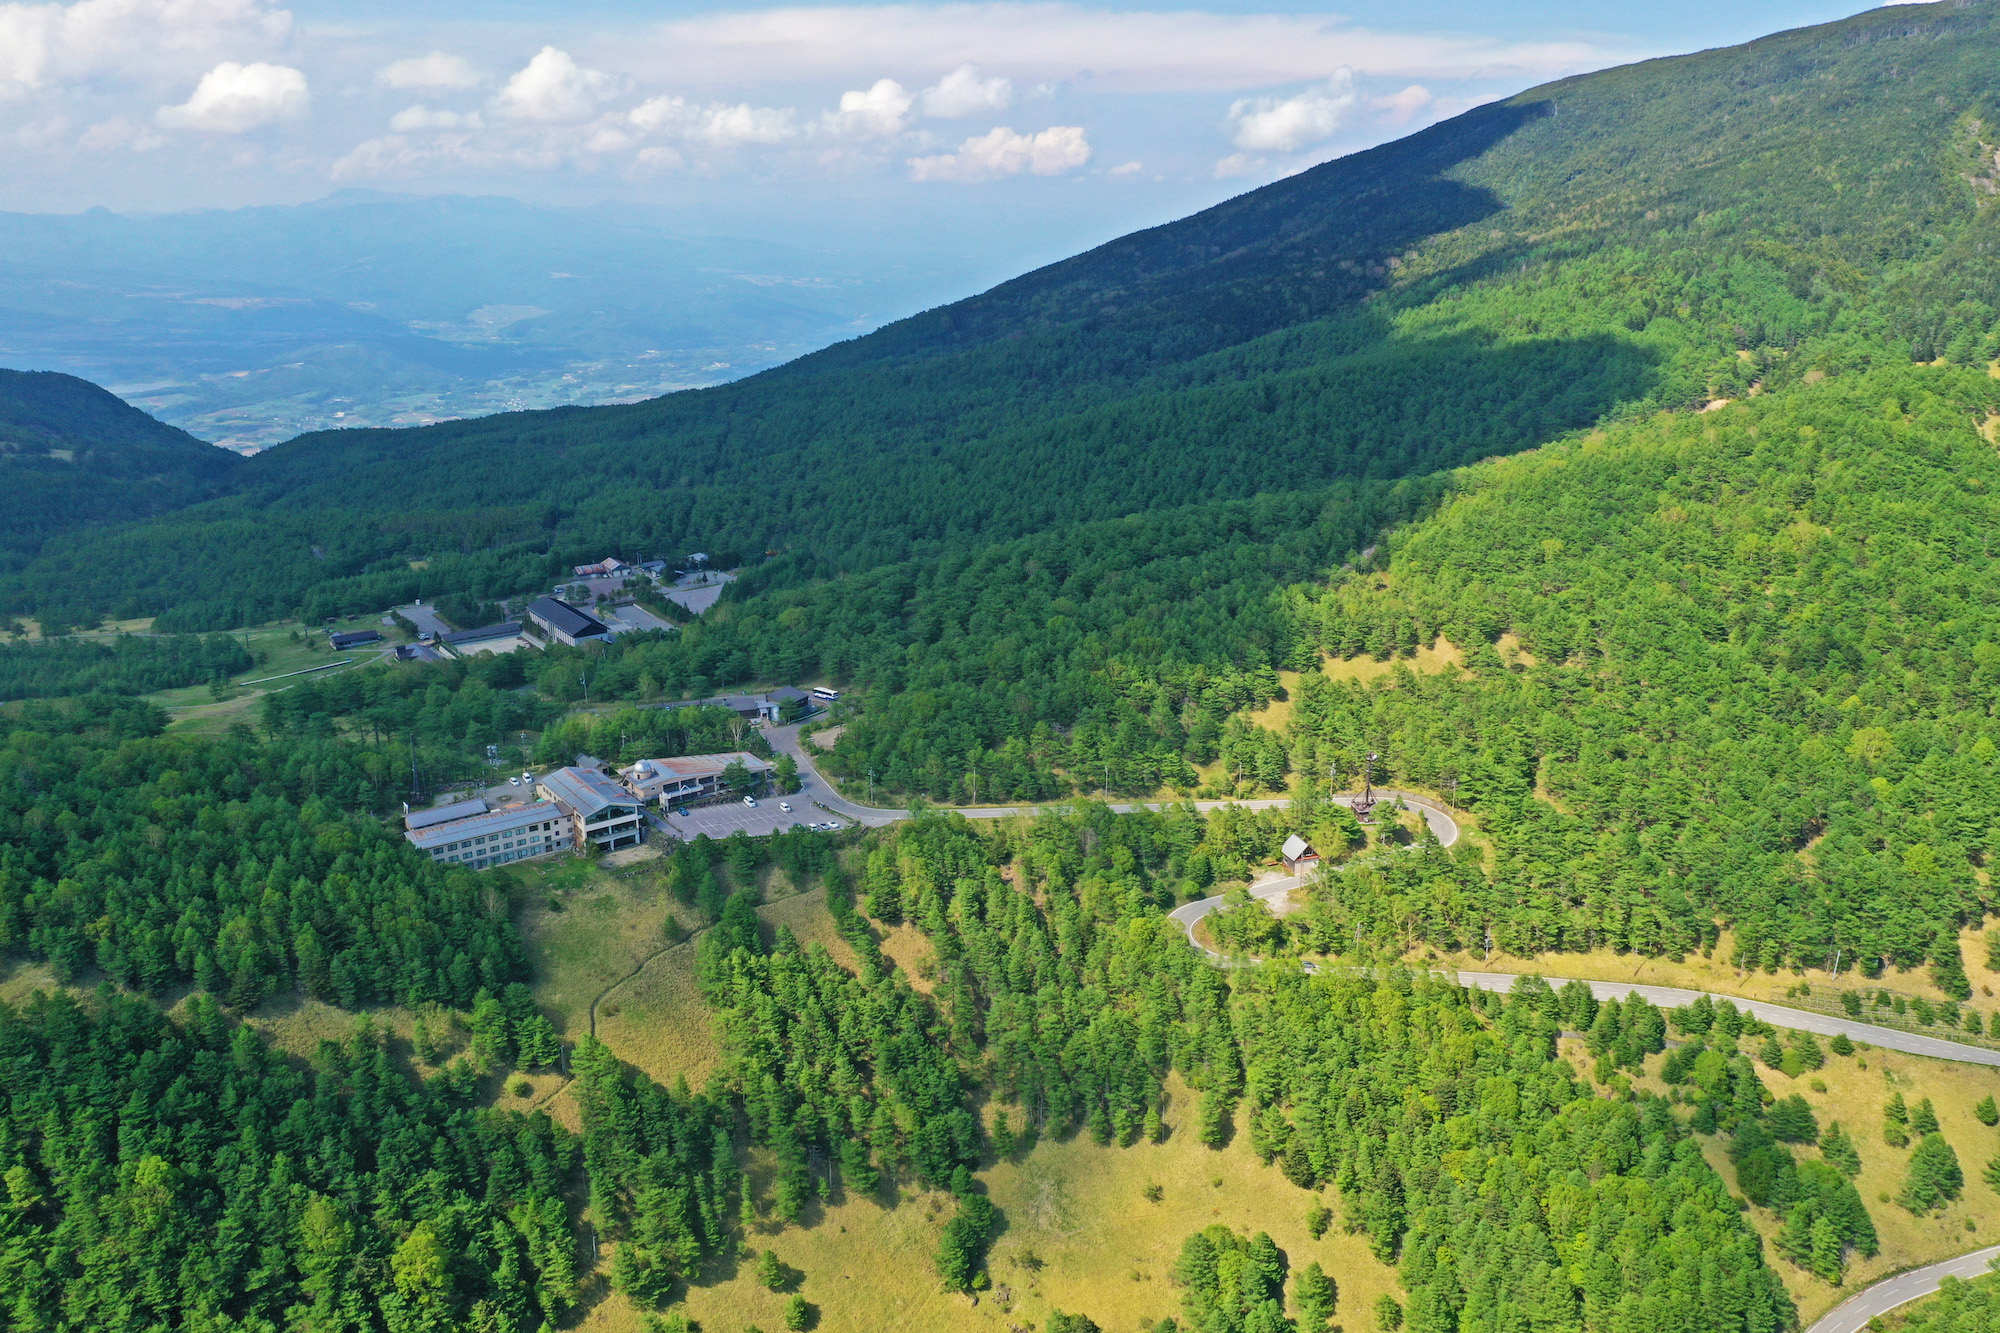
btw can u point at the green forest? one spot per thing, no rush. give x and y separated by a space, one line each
1617 463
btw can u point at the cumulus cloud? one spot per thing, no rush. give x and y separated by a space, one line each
412 119
232 98
882 110
553 87
1001 152
1271 125
963 93
1129 169
436 70
717 125
57 43
1403 107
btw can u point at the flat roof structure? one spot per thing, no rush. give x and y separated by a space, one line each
506 629
354 638
511 833
688 774
439 814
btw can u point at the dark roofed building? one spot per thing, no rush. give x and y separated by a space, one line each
355 638
564 623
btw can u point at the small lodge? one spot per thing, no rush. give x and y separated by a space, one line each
1298 855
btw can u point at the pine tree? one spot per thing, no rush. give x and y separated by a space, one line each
1839 1150
1923 1119
1840 1044
1934 1176
1987 1110
1895 1122
1315 1295
1792 1121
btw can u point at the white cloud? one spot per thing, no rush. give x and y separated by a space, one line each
1269 125
436 70
1129 169
232 98
1238 164
963 93
552 87
882 110
718 125
1403 107
417 118
120 132
1157 50
135 39
1002 152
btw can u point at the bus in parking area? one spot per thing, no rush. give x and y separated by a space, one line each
824 695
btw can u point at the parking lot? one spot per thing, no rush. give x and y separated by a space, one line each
719 821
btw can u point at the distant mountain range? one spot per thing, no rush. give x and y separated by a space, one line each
249 327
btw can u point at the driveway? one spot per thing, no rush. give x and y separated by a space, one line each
425 618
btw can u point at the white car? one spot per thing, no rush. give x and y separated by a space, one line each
786 806
750 801
513 782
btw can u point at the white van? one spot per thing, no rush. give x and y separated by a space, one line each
750 801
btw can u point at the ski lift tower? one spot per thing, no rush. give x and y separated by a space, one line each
1364 804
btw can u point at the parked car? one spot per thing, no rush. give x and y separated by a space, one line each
683 813
513 782
750 800
786 806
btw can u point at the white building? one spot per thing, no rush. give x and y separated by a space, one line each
600 811
484 838
691 777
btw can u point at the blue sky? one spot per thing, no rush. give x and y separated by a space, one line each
1024 128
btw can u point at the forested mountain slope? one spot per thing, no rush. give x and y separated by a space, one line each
1647 237
71 454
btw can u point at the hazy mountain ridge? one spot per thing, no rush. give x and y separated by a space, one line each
255 325
1643 238
71 453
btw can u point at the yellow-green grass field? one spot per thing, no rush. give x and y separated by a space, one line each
194 708
1855 1090
1081 1236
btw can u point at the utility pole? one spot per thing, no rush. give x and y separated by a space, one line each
871 786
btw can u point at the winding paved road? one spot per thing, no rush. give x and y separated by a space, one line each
1850 1317
1801 1020
1442 825
785 740
1853 1315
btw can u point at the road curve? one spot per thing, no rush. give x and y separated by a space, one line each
1442 825
785 740
1778 1015
1900 1289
